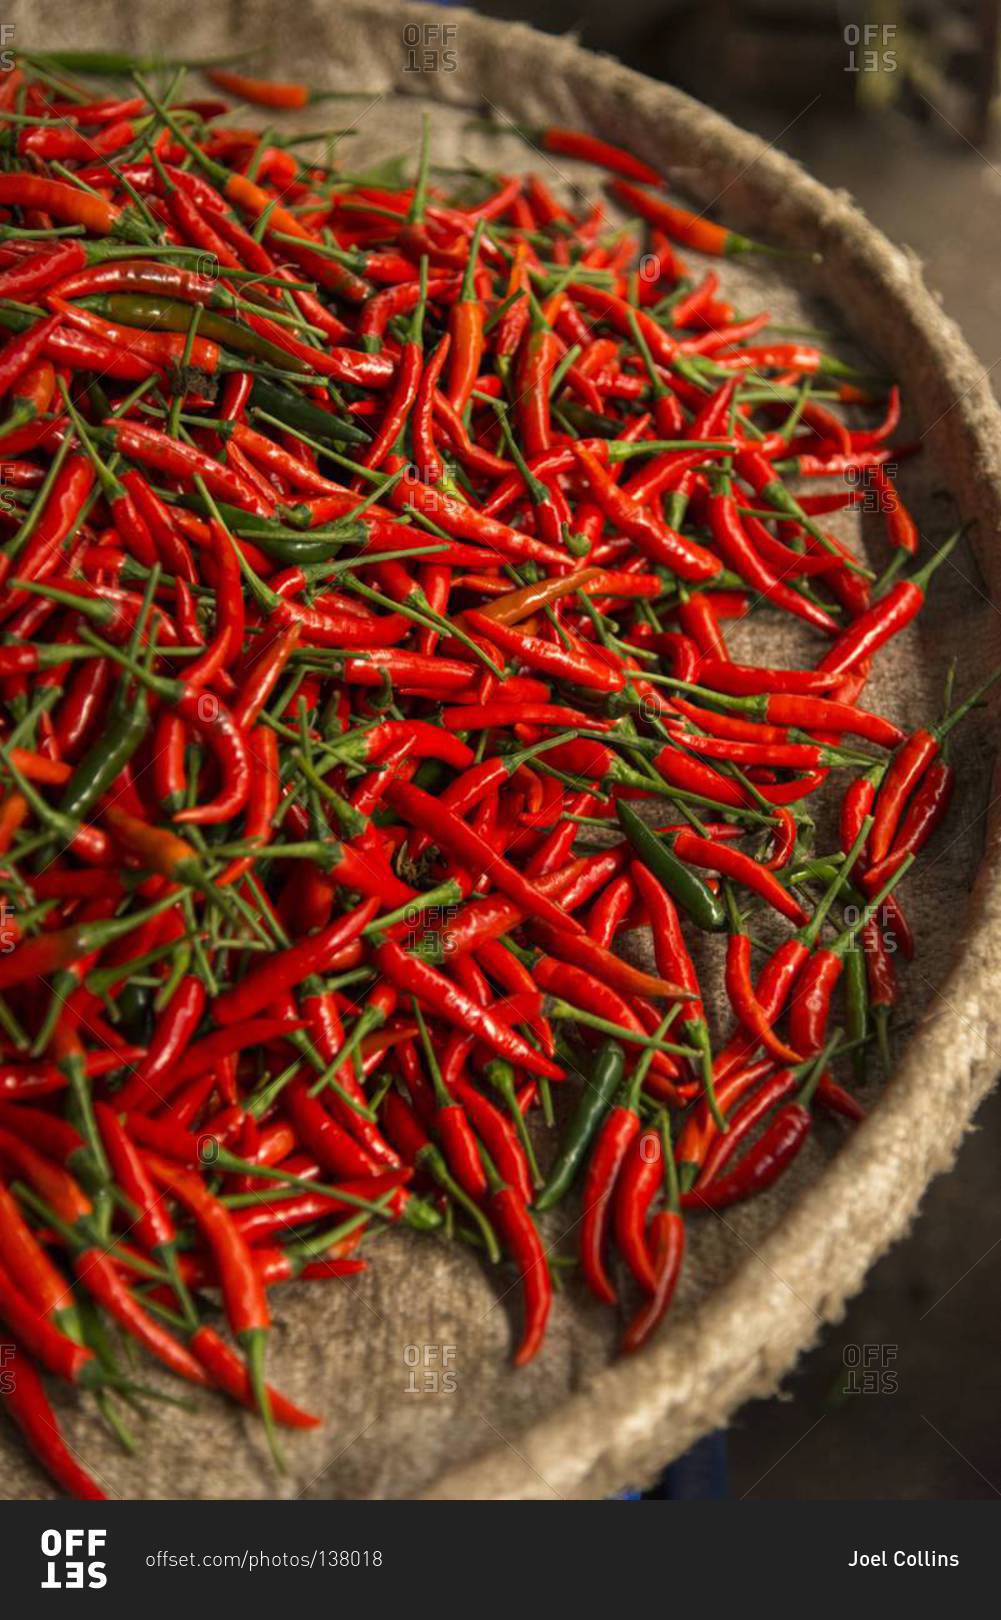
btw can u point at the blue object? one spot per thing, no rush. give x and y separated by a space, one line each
699 1476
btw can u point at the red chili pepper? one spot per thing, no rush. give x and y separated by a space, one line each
429 815
748 1009
906 768
98 1274
28 1265
885 619
521 1239
680 224
923 816
154 449
67 203
281 971
336 1150
738 553
499 1138
667 1236
41 1338
171 1040
21 351
24 1398
28 277
608 1156
586 953
465 328
641 1177
445 1000
766 1160
610 911
229 1373
733 863
657 540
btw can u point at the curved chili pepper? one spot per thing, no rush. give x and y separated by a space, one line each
24 1398
635 1190
738 553
923 816
244 1296
229 1373
41 1338
656 540
667 1236
28 1266
521 1238
761 1166
67 203
741 996
733 863
613 1143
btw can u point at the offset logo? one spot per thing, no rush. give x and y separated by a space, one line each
71 1564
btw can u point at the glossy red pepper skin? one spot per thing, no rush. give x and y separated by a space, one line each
499 1138
742 1122
604 1167
761 1166
906 768
810 1005
152 1225
244 1297
229 1373
337 1151
421 810
28 1264
749 1011
522 1241
742 869
174 1034
46 1342
733 544
444 1000
641 1177
874 628
667 1237
925 813
102 1279
880 973
26 1402
656 540
262 987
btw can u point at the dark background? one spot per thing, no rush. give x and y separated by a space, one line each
902 119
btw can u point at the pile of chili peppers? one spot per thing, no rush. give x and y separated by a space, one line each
370 552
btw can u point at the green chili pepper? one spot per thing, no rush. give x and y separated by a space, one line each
692 894
104 760
301 414
146 311
856 1006
596 1099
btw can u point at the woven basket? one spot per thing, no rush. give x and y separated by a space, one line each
410 1361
